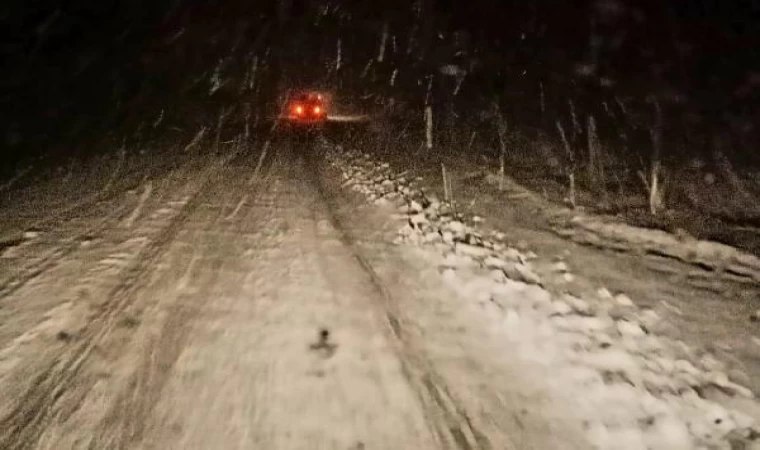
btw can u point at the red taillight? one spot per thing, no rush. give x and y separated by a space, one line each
298 109
317 110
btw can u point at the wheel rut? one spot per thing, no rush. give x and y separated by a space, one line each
56 388
446 417
40 265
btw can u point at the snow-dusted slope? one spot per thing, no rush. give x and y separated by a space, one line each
630 388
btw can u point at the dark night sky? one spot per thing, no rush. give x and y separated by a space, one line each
73 67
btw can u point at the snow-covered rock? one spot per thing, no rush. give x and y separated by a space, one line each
629 329
456 227
512 322
649 318
414 207
579 305
684 366
459 261
493 262
667 432
710 363
407 230
432 237
31 234
535 295
560 266
388 186
591 325
498 235
721 380
472 250
665 365
449 274
614 361
623 300
512 254
497 275
417 220
604 294
560 308
526 274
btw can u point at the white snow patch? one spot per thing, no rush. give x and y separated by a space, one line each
632 389
31 234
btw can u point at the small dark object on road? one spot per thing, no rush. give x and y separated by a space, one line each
64 336
324 346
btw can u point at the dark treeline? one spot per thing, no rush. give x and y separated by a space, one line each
614 60
81 68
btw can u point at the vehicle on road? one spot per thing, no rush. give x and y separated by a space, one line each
305 116
306 109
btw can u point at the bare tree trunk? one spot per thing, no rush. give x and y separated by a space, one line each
247 122
652 179
429 127
502 163
596 160
222 116
728 171
655 197
592 169
541 100
577 129
570 168
472 140
383 43
501 127
446 195
338 54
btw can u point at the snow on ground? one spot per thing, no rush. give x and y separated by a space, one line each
162 312
196 318
631 388
709 309
94 247
610 233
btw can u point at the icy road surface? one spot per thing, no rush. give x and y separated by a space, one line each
216 306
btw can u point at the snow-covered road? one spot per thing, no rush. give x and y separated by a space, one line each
216 306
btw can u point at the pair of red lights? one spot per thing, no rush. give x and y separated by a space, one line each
299 109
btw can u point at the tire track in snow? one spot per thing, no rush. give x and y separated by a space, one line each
445 415
107 192
126 421
42 264
56 391
38 266
249 375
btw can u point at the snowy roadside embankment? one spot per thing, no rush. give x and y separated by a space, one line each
606 232
629 387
